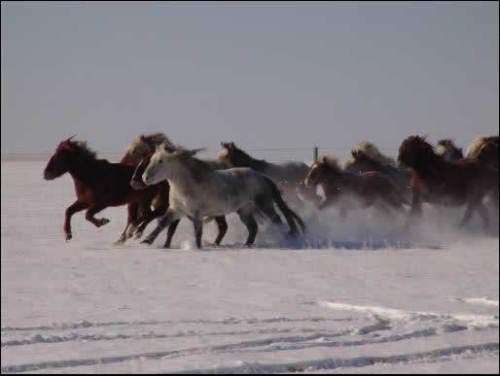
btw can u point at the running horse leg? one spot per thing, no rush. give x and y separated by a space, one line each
72 209
165 221
132 212
198 231
222 225
171 232
89 215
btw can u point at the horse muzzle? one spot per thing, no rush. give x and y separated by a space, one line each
47 175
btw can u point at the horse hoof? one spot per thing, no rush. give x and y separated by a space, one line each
138 235
68 237
147 241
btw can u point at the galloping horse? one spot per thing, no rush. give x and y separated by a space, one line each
448 150
435 180
137 183
370 150
363 162
289 175
98 183
367 188
197 191
140 147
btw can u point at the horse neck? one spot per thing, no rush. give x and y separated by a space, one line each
432 167
85 169
248 161
334 179
128 160
185 179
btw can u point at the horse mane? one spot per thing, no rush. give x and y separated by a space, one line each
253 162
82 149
478 143
331 162
370 150
357 155
142 144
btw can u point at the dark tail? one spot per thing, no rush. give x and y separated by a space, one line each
291 217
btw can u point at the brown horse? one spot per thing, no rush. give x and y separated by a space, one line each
98 183
435 180
289 175
363 162
368 188
140 147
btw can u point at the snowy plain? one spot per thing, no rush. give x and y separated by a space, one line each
359 296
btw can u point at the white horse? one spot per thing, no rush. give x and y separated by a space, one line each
197 192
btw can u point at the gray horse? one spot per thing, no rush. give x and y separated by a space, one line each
197 192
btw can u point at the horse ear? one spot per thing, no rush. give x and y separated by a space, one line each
69 139
324 159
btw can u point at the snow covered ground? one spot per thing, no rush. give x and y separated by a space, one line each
359 295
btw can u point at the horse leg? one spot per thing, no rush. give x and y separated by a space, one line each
89 215
72 209
251 224
198 231
170 233
159 201
483 212
471 205
169 217
148 217
131 217
268 210
416 208
222 225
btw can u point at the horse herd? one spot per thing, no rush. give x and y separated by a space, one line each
158 179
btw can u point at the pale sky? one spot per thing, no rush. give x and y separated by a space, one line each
265 75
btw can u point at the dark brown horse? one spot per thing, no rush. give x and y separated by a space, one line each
363 162
140 147
368 188
98 184
137 183
289 175
435 180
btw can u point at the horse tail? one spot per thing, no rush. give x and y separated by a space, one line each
292 218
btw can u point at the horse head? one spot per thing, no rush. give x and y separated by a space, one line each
415 151
325 166
58 163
